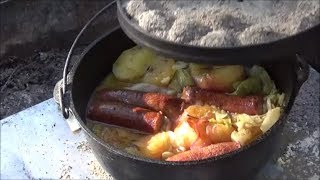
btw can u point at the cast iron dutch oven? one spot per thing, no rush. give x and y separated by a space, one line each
96 63
288 72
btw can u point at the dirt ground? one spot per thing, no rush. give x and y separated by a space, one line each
28 81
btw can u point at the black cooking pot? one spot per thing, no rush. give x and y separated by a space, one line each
96 62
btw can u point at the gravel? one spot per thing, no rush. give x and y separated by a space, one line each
223 23
26 81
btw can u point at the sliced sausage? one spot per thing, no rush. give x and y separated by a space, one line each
125 115
205 152
251 105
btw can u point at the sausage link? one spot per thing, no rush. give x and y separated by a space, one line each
171 106
210 151
251 105
125 115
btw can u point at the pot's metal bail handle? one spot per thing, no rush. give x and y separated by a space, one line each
71 120
66 111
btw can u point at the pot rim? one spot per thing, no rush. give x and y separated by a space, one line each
121 152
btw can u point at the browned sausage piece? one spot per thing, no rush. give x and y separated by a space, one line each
125 115
171 106
210 151
251 105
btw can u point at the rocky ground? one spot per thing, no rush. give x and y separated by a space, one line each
27 81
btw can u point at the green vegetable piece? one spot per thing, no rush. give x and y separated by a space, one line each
175 84
251 85
236 84
267 84
185 78
181 79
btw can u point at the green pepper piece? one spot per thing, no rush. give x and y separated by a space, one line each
175 84
185 78
251 85
262 74
181 79
236 84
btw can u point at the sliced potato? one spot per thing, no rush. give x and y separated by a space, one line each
218 78
133 63
160 72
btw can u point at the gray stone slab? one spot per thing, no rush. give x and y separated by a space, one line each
37 144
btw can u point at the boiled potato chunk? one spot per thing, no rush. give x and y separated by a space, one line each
185 135
160 72
133 63
154 145
219 133
217 78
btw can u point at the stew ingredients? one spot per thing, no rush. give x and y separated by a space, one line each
159 108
